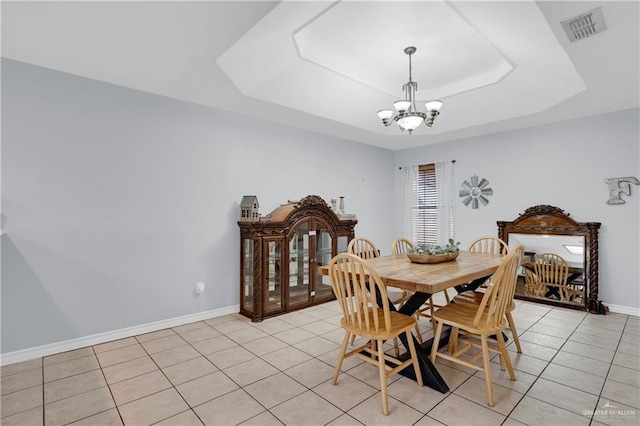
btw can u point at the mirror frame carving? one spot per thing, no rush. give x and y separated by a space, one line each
550 220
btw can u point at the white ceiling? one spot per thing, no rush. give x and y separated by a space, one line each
330 66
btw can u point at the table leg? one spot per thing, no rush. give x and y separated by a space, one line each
430 375
552 291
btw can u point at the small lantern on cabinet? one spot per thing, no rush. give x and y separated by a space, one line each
249 209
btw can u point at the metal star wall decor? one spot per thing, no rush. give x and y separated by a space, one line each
475 191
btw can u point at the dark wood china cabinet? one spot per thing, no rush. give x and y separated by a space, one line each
280 255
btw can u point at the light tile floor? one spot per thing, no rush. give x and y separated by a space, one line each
576 369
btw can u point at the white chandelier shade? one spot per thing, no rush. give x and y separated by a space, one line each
408 116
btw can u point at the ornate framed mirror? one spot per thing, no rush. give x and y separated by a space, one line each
547 229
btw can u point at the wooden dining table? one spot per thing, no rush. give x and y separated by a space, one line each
423 280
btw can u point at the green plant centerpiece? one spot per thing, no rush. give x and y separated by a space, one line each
432 253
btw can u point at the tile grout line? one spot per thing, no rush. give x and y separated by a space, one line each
231 379
609 369
539 375
190 408
591 419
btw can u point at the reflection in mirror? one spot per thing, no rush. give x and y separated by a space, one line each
569 248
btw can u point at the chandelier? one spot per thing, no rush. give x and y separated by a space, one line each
408 116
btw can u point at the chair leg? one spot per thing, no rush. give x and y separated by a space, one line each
418 333
343 350
453 339
487 369
353 339
436 339
504 354
383 378
514 332
396 348
446 297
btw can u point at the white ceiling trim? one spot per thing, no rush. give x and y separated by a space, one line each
338 61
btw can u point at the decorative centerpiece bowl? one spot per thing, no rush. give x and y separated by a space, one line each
428 253
432 258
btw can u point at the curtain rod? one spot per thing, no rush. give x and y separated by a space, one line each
452 162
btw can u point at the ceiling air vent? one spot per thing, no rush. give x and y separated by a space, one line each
585 25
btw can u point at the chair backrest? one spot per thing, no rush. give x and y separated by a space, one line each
489 245
499 294
531 286
530 278
551 268
401 246
363 248
356 285
520 250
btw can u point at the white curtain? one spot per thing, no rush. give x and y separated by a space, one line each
445 201
409 175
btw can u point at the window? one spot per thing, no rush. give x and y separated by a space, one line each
424 212
431 204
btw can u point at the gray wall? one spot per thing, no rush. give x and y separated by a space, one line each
562 164
116 202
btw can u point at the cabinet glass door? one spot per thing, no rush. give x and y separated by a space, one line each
273 278
299 265
343 244
247 279
324 244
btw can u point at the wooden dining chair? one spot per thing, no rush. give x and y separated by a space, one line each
512 324
475 298
401 246
363 248
532 285
552 272
356 285
491 245
488 319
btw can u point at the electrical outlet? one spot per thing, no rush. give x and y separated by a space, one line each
199 287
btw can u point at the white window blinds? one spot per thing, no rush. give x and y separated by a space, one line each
424 211
432 204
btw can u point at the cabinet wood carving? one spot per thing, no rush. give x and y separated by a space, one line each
280 256
547 223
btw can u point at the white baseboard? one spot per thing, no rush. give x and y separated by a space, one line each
95 339
627 310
